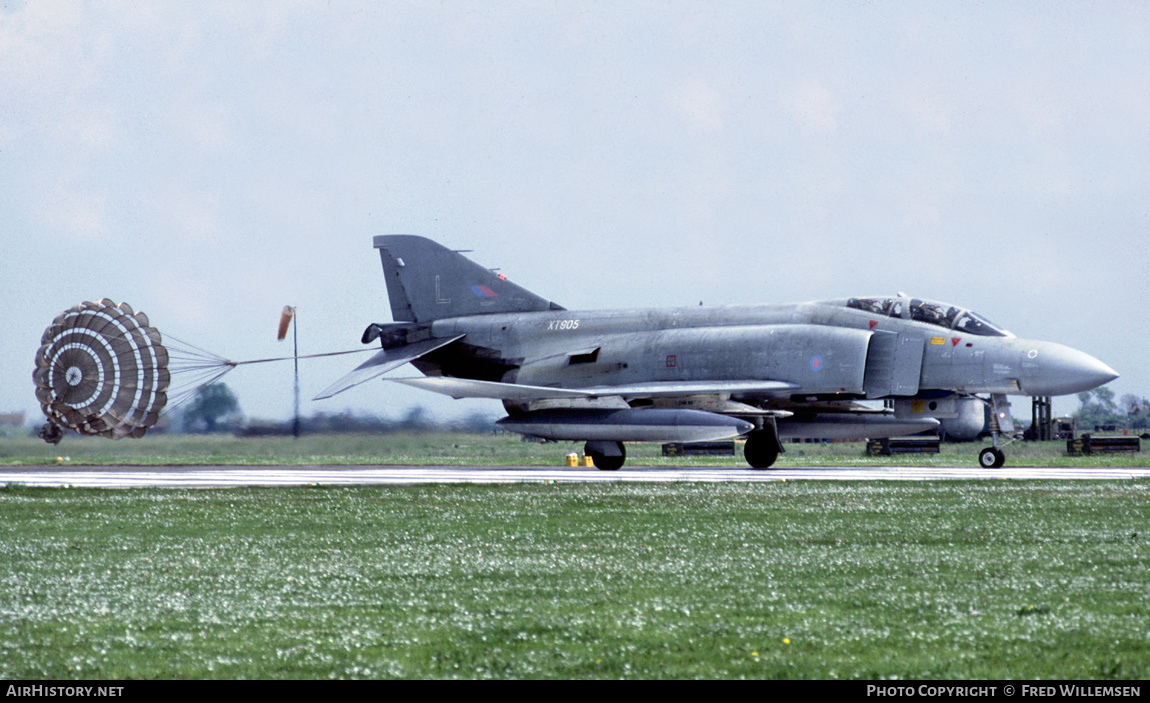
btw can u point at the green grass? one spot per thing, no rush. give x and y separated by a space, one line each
943 580
461 449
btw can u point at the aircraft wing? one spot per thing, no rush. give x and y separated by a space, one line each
467 388
384 361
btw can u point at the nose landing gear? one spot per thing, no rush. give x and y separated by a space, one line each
1000 423
991 458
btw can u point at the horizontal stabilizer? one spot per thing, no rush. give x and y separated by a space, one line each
467 388
384 361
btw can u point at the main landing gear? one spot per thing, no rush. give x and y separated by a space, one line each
607 456
761 451
763 446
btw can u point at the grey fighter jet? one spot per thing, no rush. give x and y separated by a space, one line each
765 373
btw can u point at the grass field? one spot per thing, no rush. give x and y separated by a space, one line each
943 580
463 449
946 580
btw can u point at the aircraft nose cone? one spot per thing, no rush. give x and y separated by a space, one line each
1060 370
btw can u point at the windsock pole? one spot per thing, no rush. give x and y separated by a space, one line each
285 320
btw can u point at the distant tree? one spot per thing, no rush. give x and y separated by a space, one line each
416 419
215 407
476 422
1098 408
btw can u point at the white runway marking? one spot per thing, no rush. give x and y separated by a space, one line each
236 476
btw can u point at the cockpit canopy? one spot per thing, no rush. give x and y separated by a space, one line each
931 312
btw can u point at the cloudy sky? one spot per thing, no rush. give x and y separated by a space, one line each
210 162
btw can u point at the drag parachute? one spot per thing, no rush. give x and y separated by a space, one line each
102 369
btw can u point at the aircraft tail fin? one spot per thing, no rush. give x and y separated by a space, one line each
427 281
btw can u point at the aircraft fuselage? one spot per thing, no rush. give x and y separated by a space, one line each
824 348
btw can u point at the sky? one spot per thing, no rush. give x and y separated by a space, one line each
211 162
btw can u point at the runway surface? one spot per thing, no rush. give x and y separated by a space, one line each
236 476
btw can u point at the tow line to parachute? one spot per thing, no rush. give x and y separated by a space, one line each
103 370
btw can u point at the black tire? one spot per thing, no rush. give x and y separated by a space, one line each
761 450
991 458
604 462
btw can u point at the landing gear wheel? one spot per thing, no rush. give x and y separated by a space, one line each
991 458
604 458
761 450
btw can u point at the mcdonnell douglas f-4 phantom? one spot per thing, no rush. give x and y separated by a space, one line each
765 373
